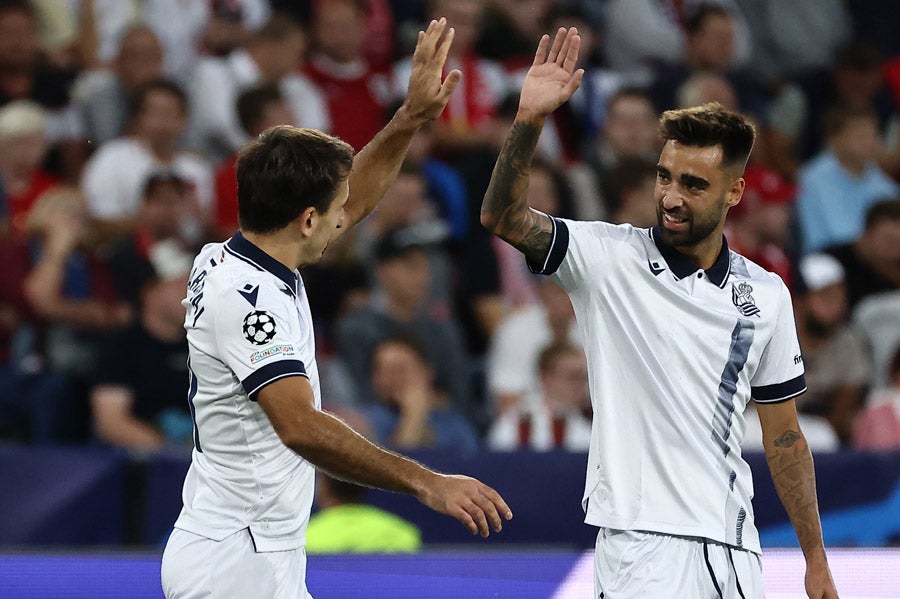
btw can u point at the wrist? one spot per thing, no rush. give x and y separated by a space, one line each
405 120
532 117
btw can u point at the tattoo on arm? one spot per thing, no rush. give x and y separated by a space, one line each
787 438
505 205
791 465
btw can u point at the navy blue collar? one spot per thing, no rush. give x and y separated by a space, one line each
681 265
245 250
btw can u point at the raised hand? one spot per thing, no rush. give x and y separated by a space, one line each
428 94
476 505
552 78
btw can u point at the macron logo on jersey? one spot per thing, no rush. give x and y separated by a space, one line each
250 293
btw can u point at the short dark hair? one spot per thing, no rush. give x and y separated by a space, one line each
550 355
839 116
21 6
278 28
629 91
139 98
711 125
627 175
160 179
696 18
252 104
858 56
286 170
410 341
881 211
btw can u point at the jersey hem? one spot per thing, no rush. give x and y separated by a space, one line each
675 531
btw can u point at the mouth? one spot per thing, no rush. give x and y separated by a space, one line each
675 222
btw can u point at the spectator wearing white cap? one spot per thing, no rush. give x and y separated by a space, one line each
837 364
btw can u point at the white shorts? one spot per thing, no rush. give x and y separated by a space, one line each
194 567
632 564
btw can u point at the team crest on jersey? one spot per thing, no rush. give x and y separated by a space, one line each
743 300
259 327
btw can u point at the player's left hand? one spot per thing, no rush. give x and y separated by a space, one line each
819 584
428 94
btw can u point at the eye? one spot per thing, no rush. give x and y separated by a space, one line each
662 178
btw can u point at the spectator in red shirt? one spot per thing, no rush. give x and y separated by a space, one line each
356 93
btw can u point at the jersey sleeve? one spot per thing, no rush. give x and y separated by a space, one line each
257 328
780 375
576 250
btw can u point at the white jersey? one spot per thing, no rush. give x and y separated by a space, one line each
674 355
248 324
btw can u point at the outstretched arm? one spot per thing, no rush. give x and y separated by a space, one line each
550 82
327 442
376 166
791 465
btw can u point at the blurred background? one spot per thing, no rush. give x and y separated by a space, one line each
119 124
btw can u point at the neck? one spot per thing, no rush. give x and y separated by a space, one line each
279 245
704 253
852 165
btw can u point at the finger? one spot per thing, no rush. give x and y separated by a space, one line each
498 501
433 36
467 521
490 511
421 52
480 519
573 83
557 44
571 58
450 83
567 43
444 48
541 55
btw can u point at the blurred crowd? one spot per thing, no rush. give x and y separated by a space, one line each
119 125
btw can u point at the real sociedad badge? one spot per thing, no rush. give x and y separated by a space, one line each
743 300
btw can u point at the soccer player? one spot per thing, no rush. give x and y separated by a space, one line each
680 333
254 389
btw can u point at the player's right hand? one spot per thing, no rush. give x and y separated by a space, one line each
476 505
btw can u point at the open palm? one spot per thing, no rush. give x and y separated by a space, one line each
552 78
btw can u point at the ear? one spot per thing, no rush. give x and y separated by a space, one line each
735 192
306 221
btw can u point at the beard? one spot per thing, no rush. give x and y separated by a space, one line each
699 226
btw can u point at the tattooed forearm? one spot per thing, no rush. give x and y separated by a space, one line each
791 465
505 210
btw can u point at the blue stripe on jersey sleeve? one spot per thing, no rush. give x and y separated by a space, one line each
780 391
271 373
559 245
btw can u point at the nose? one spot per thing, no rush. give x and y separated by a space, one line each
671 199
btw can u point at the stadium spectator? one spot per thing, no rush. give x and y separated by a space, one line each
834 354
641 34
759 227
403 280
114 176
465 125
258 108
168 216
512 360
628 192
872 261
411 411
137 401
877 427
101 97
709 48
271 55
23 149
703 87
346 524
839 186
509 28
355 92
561 418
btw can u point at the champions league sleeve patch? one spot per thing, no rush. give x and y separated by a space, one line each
259 327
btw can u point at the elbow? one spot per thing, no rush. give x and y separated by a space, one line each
489 220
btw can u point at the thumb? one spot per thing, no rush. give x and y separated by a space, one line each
450 83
